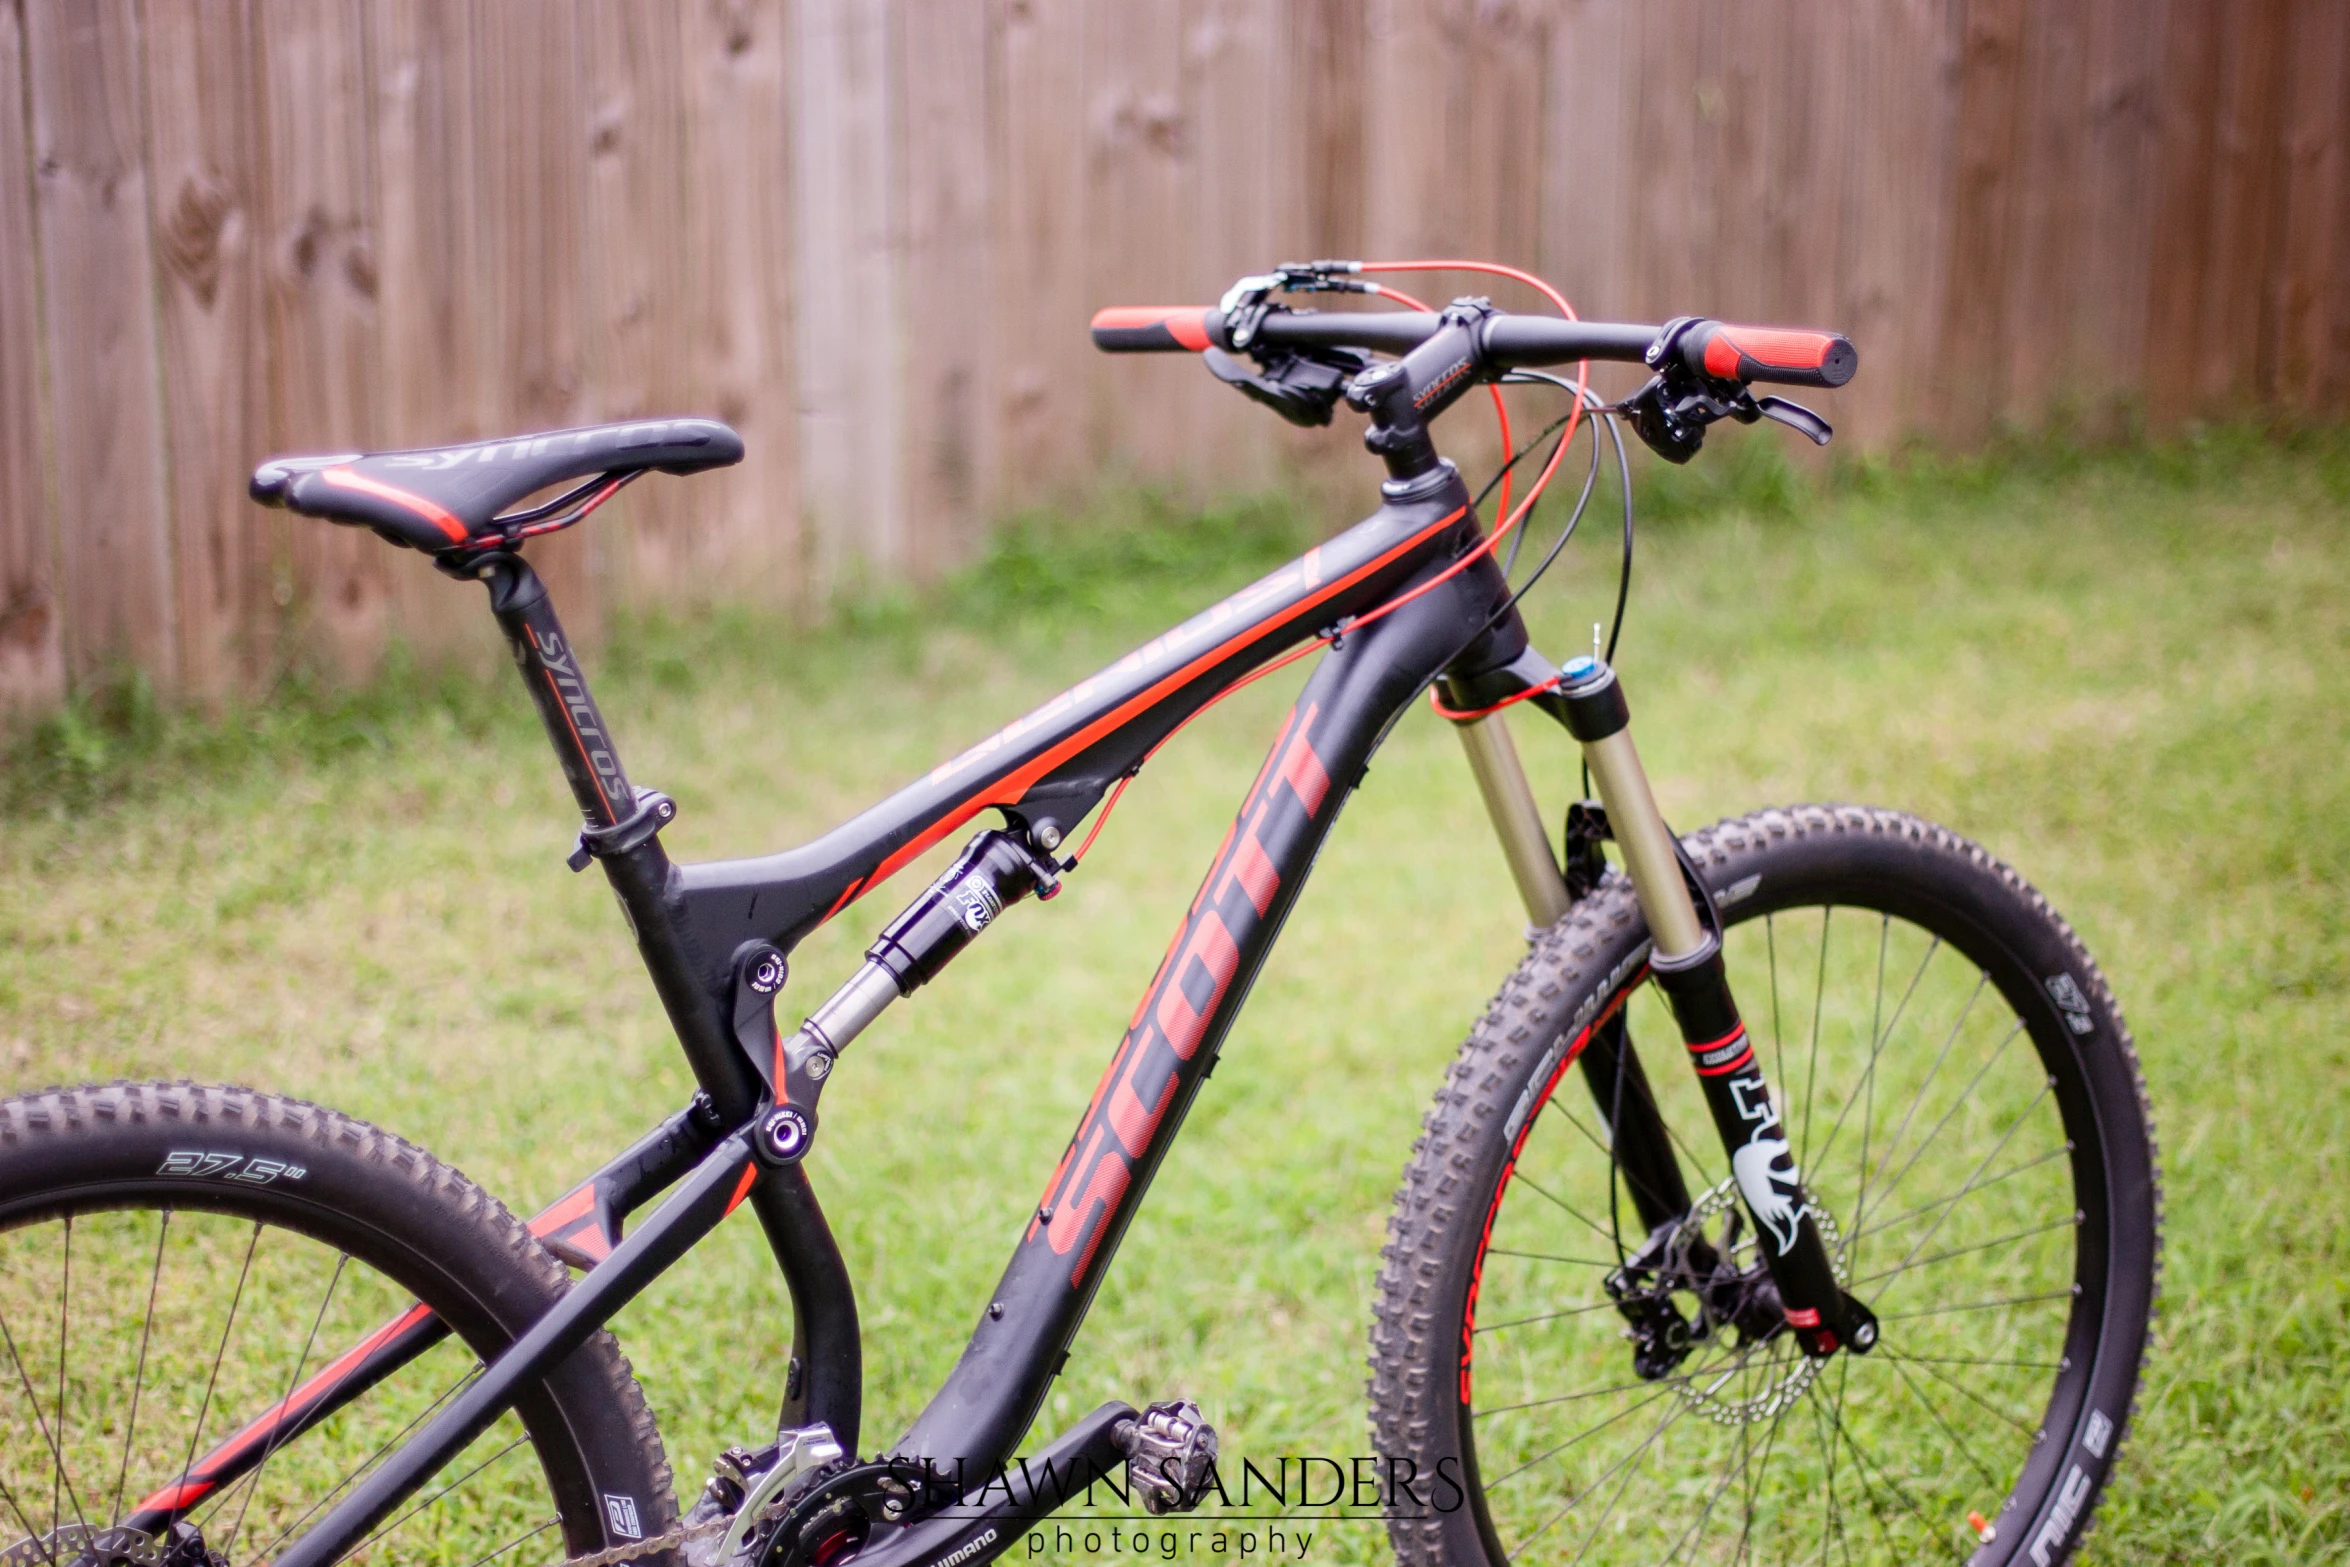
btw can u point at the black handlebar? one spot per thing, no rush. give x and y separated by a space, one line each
1714 349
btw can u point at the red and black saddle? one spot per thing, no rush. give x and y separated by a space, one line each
458 498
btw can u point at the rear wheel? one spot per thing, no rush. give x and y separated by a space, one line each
1971 1130
176 1261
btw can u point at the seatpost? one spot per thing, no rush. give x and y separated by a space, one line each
1686 958
591 763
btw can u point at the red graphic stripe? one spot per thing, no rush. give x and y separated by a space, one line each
1008 789
1501 1188
742 1188
585 760
406 500
198 1482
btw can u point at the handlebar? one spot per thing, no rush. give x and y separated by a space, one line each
1781 355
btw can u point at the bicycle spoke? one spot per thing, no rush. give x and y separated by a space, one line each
361 1548
484 1561
1547 1316
1980 1305
1584 1495
64 1310
301 1362
1941 1056
1970 1394
1923 1209
1755 1477
463 1379
1811 1073
1971 1360
2069 1221
40 1421
48 1556
1553 1106
139 1376
1567 1398
1544 1256
1965 1451
1965 1095
1878 1040
235 1300
1580 1436
1861 1467
1968 1185
1563 1206
1631 1468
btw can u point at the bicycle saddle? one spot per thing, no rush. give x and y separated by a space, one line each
450 497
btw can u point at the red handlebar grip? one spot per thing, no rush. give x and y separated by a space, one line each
1766 353
1153 329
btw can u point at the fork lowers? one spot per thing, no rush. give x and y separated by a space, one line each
1686 962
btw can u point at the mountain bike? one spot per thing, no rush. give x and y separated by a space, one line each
1866 1278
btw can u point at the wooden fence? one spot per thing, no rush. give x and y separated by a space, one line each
869 233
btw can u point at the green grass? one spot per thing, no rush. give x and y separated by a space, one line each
2122 673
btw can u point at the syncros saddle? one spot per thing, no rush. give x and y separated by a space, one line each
450 497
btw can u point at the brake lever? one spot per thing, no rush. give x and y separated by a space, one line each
1302 388
1671 412
1795 417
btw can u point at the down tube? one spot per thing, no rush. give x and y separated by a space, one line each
996 1388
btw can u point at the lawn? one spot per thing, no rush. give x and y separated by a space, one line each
2124 674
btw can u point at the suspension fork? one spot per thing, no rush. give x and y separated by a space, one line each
1611 1069
1686 960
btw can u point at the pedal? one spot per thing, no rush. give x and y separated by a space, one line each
1170 1450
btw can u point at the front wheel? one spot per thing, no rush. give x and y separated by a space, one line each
1971 1129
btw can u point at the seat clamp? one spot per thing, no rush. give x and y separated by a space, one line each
654 811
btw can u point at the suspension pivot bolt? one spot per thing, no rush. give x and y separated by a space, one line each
767 975
786 1133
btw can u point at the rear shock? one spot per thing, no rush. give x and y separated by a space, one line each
1686 959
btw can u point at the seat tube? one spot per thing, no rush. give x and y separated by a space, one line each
558 685
1686 960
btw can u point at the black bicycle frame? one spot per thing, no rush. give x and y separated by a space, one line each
1046 770
1403 599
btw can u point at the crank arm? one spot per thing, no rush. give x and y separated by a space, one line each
985 1522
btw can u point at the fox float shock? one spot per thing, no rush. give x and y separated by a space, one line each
995 870
1686 959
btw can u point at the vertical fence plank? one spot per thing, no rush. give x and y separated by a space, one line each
2316 200
1968 373
1137 141
32 655
1236 99
747 543
947 277
845 168
2245 212
1417 204
1587 162
320 273
1905 57
2105 332
203 162
1326 64
1044 231
631 75
99 302
428 301
529 138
